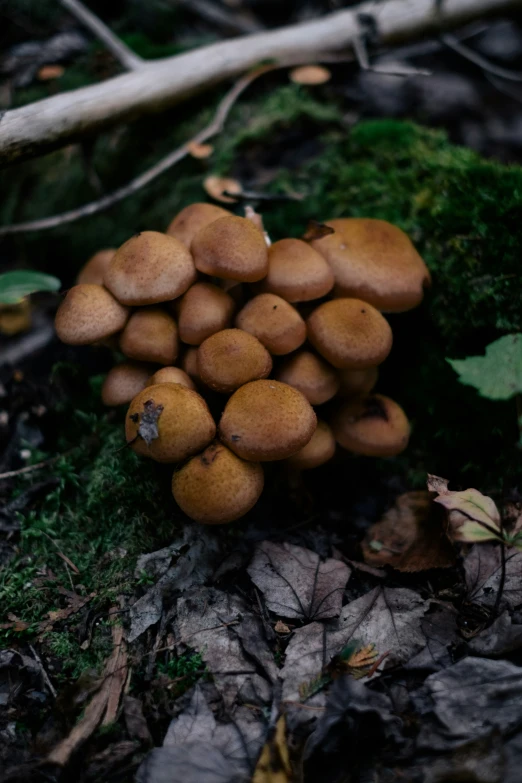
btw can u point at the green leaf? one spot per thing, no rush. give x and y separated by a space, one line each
498 374
15 286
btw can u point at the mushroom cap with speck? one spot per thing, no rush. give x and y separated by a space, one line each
89 313
357 383
192 219
204 310
267 420
94 269
171 375
375 261
231 358
184 423
150 268
232 248
274 322
317 451
217 487
375 427
123 382
151 335
350 334
311 375
296 272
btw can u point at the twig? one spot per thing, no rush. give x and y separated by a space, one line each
220 16
361 54
45 676
122 53
212 129
469 54
28 468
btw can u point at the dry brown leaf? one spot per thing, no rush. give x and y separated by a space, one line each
316 230
281 627
49 72
437 484
310 75
218 186
273 765
410 536
200 151
76 603
117 669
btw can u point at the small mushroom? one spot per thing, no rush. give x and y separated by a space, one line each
274 322
94 270
296 272
217 487
151 335
231 358
192 219
123 382
375 427
189 363
203 310
171 375
267 420
168 423
89 313
350 334
232 248
317 451
311 375
357 383
150 268
375 261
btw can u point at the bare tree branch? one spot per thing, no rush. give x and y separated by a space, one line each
53 122
218 15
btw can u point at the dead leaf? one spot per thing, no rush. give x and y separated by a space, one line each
437 484
118 675
200 151
281 627
472 516
48 72
76 602
273 765
135 721
148 427
410 536
310 75
296 583
316 230
216 187
483 569
441 632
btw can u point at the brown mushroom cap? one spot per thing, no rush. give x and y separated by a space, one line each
151 335
311 375
123 382
374 261
192 219
358 383
232 248
149 268
350 334
189 363
274 322
296 272
89 313
216 487
375 427
204 310
231 358
94 270
317 451
171 375
184 423
267 420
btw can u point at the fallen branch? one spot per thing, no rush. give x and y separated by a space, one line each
53 122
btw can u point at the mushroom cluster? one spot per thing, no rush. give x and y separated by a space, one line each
211 317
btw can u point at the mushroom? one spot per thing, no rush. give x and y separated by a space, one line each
350 334
216 487
89 313
274 322
317 451
296 272
375 427
189 363
151 335
314 378
168 423
150 268
171 375
94 270
203 310
123 382
374 261
231 358
357 383
192 219
232 248
267 420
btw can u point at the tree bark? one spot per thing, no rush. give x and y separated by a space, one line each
53 122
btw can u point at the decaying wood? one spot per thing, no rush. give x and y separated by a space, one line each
53 122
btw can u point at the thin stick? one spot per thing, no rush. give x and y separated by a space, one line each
122 53
28 469
361 54
44 673
469 54
216 14
212 129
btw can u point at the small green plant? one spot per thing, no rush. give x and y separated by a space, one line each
15 286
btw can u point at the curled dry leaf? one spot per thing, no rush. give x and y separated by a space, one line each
472 516
200 151
148 429
410 536
217 187
316 230
310 75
